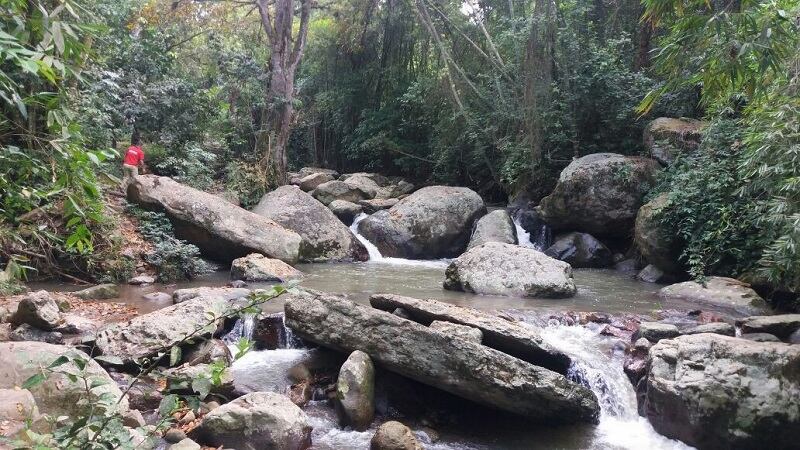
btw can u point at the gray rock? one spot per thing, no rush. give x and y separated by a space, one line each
457 330
186 374
433 222
655 331
26 332
496 226
324 237
345 211
395 190
355 391
760 337
337 190
628 266
157 297
185 444
520 341
606 188
221 230
147 334
207 352
722 328
141 280
257 267
39 310
175 435
226 293
17 408
505 269
310 182
306 171
99 292
658 246
719 292
652 274
580 250
57 395
368 184
374 205
716 392
782 325
256 421
666 137
461 367
394 435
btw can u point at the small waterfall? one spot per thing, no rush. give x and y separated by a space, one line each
598 368
375 254
541 237
242 328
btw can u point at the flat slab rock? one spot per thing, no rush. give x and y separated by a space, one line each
257 267
782 325
721 292
461 367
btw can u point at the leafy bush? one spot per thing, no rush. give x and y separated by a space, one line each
190 165
174 259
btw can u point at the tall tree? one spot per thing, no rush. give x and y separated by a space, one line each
286 51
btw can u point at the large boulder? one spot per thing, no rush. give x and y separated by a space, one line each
433 222
337 190
256 421
38 309
462 367
666 137
580 250
355 391
221 230
151 333
658 246
719 292
345 211
324 237
719 392
257 267
367 183
496 226
599 194
782 325
57 395
311 182
505 269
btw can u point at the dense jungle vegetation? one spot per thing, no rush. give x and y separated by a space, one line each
229 96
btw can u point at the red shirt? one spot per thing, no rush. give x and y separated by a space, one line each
133 156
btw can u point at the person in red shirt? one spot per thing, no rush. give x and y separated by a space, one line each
134 158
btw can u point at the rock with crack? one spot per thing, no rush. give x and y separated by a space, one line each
517 339
151 333
495 268
221 230
719 392
462 367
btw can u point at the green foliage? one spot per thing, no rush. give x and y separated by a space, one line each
173 259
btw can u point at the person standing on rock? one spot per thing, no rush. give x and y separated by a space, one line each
134 158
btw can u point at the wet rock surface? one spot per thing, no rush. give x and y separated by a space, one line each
394 435
505 269
467 369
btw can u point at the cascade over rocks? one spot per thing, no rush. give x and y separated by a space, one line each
150 333
462 367
496 226
433 222
599 194
56 395
719 392
505 269
658 247
221 230
720 292
666 137
256 421
257 267
324 237
580 250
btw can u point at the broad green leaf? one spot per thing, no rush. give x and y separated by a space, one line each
34 381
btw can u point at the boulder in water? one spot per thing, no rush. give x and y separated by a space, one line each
656 331
324 237
345 211
394 435
462 367
599 194
355 391
99 292
720 292
580 250
221 230
658 247
496 226
38 309
505 269
666 137
256 421
433 222
257 267
714 392
337 190
652 274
